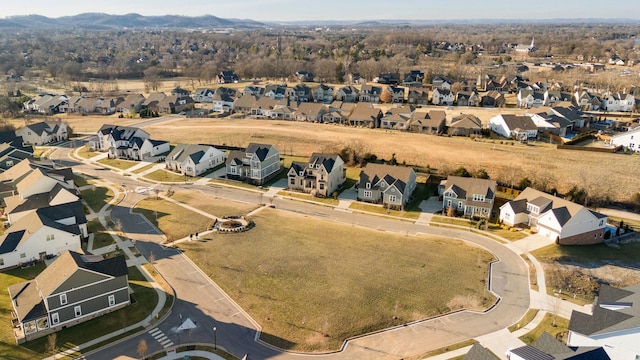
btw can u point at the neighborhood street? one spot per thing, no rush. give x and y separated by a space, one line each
199 299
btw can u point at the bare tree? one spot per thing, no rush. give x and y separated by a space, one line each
142 348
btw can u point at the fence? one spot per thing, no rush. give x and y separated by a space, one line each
586 148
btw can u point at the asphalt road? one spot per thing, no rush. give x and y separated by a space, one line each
201 301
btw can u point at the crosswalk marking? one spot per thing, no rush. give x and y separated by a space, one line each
161 338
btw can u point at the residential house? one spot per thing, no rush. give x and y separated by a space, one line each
203 95
282 113
418 96
388 78
553 124
585 101
430 122
175 104
397 118
619 102
519 126
141 149
413 79
569 112
257 164
19 205
73 289
548 348
36 236
128 142
300 93
304 76
552 97
397 94
178 91
310 112
193 160
493 98
108 105
629 139
132 102
465 125
262 106
253 90
47 104
365 115
470 197
227 77
530 98
335 114
152 101
613 324
389 185
479 352
42 133
441 82
10 155
321 175
223 103
108 133
370 93
244 103
561 220
468 98
323 94
442 97
348 94
276 92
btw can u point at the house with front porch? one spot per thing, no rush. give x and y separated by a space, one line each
389 185
44 132
193 159
469 197
321 175
222 103
310 111
629 139
563 221
257 164
323 94
73 289
370 94
348 94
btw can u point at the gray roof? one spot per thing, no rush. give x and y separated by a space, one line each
615 310
519 122
328 161
466 187
479 352
183 151
261 150
392 174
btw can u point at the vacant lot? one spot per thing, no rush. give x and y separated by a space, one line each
312 289
211 204
173 220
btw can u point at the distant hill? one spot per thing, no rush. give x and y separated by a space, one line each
99 21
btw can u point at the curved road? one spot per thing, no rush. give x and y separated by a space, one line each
199 299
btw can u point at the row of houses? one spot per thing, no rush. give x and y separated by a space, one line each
558 120
612 102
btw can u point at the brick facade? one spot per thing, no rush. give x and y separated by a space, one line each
588 238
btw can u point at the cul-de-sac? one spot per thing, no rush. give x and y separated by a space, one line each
285 180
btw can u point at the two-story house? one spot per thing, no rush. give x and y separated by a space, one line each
558 219
321 175
469 196
193 159
370 93
619 102
629 139
323 94
300 93
73 289
389 185
518 126
442 97
43 132
348 94
257 164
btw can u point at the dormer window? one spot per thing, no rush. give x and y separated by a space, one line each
478 197
248 155
368 185
301 173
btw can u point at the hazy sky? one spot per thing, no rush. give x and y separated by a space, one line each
286 10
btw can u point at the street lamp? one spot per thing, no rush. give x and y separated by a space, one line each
215 342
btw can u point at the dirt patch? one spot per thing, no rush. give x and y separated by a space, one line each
464 302
585 281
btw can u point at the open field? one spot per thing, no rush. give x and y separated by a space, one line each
211 204
505 162
144 293
173 220
311 290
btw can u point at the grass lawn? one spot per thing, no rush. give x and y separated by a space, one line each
211 204
97 197
169 176
527 318
38 151
84 152
80 181
547 324
297 195
378 209
173 220
234 183
452 221
144 168
100 236
506 234
146 299
118 163
312 289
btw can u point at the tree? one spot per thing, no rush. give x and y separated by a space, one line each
385 97
481 174
52 342
524 183
142 348
462 172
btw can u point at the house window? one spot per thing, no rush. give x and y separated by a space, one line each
1 262
77 310
368 185
55 318
9 163
368 194
478 197
112 300
448 203
233 170
50 237
459 204
63 299
392 198
321 186
292 181
601 222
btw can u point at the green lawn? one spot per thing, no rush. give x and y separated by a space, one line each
144 168
234 183
80 181
452 221
212 205
378 209
97 197
312 289
173 220
118 163
527 318
297 195
169 176
100 236
506 234
84 152
146 299
547 324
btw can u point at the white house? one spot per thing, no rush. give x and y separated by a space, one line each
113 136
257 164
193 160
508 125
43 132
561 220
530 98
203 95
629 139
222 103
619 102
442 97
140 149
614 323
548 348
321 175
34 237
